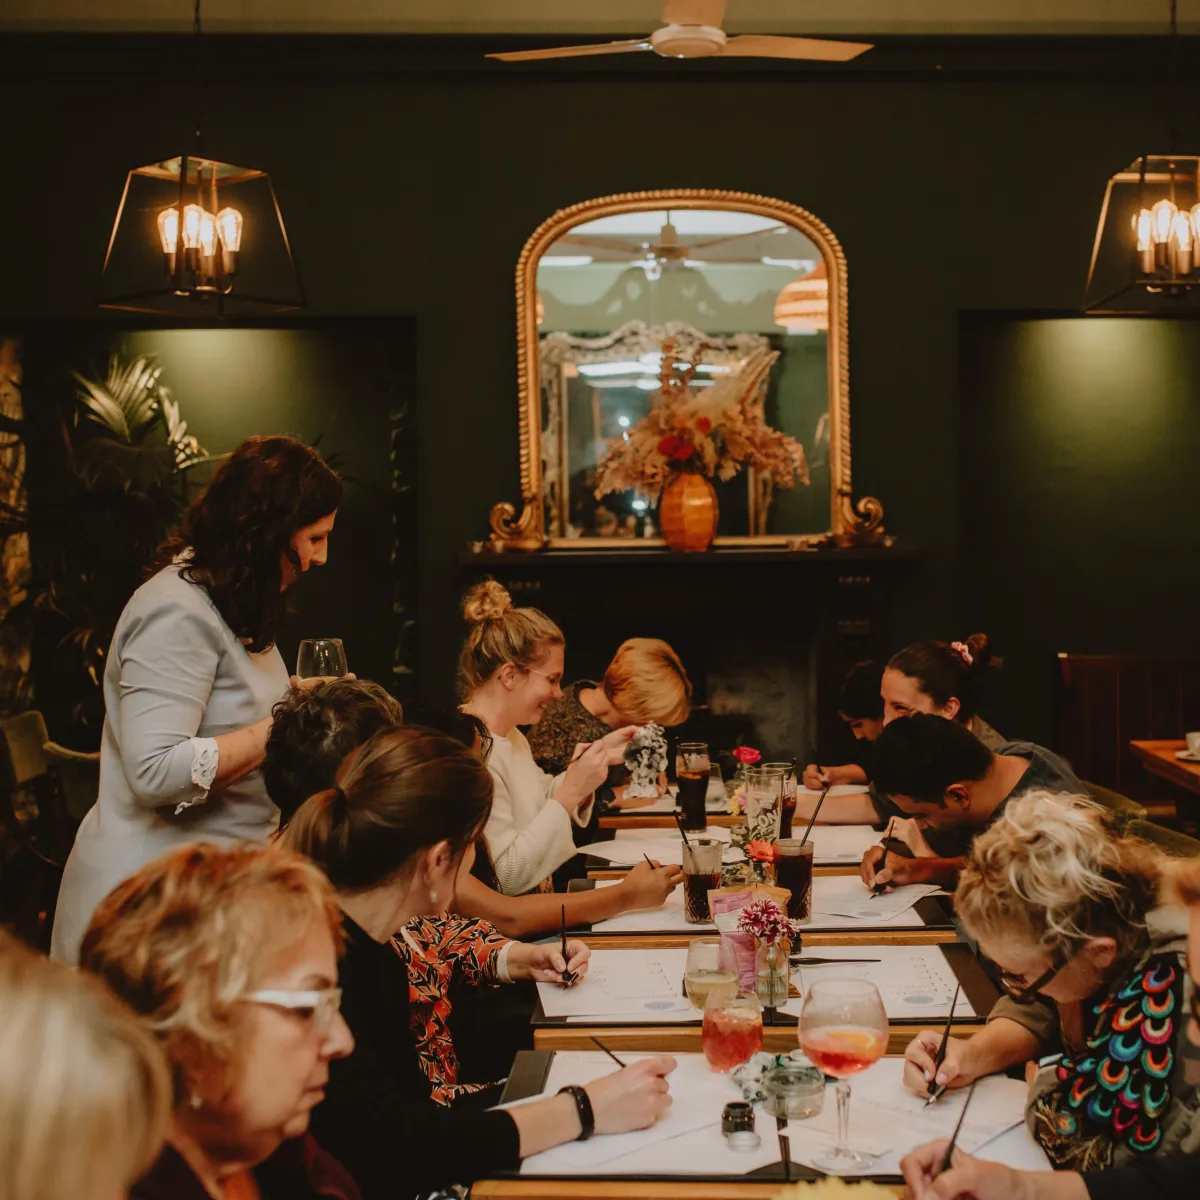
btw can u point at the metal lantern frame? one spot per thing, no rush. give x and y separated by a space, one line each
1156 276
206 279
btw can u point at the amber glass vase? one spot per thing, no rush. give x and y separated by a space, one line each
687 513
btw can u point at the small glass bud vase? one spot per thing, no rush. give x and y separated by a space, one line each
772 973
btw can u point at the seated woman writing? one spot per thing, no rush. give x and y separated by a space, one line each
511 670
1063 908
314 728
1153 1177
393 836
645 684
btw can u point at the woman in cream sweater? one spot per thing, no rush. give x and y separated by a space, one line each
511 668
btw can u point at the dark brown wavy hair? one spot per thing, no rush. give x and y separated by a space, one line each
240 530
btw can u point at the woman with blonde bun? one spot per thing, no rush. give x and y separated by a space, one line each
1062 906
1155 1178
84 1088
511 669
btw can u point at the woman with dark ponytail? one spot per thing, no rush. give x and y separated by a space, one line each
943 678
394 835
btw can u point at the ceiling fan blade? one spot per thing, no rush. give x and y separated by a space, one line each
572 51
756 45
770 230
612 245
693 12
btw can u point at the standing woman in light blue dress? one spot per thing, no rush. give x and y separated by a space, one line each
193 672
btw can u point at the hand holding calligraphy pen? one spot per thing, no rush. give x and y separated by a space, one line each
934 1089
891 845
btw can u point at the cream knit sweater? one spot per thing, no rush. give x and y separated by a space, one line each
528 833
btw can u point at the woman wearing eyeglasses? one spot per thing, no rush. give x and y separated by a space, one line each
230 958
1157 1177
1097 989
394 835
511 668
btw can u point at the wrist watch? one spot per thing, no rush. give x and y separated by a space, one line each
583 1106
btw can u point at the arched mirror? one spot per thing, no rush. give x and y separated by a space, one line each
623 298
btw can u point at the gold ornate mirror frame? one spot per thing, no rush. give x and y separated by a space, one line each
852 523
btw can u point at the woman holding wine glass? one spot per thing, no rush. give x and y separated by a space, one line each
193 672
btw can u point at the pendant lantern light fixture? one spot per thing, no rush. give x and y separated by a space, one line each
1146 256
194 236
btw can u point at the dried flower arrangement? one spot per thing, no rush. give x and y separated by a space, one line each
713 432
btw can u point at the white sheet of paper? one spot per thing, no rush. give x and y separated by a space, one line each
698 1097
668 802
831 894
850 897
886 1119
688 1142
622 983
914 981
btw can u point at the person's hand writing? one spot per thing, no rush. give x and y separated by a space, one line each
919 1056
966 1178
880 867
649 887
814 778
633 1098
908 830
546 961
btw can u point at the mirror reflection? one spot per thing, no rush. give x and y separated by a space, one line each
722 290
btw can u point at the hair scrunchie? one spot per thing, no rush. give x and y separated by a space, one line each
960 648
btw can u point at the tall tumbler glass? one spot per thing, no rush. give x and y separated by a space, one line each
692 768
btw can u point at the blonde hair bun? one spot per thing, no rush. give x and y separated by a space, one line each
486 601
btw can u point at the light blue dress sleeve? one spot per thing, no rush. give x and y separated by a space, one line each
169 660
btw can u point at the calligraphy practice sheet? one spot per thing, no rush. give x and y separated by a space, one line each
832 896
624 985
883 1118
833 845
916 982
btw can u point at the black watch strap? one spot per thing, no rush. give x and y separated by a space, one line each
583 1106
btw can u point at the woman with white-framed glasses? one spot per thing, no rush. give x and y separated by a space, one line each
510 670
1096 986
230 956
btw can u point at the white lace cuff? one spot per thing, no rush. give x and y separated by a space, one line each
205 757
502 974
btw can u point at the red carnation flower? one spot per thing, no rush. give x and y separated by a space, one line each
747 755
682 452
704 425
668 445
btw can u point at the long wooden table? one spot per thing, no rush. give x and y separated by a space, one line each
611 872
660 820
1158 757
915 936
631 1189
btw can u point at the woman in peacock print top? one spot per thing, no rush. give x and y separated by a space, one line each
1096 982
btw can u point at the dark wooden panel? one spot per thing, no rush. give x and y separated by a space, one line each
1103 702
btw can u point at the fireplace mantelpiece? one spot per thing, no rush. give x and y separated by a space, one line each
767 610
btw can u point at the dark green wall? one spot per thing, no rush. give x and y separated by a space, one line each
1081 448
958 176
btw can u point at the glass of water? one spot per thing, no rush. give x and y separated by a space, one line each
321 658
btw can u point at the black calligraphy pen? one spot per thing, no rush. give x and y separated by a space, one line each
880 888
935 1091
607 1051
954 1136
567 977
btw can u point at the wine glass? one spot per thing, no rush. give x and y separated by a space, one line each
732 1029
705 973
321 658
843 1030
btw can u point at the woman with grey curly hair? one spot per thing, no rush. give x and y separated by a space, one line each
1064 909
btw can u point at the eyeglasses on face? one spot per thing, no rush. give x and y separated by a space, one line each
318 1006
554 679
1020 991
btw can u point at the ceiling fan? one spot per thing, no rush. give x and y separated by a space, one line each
692 29
666 251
